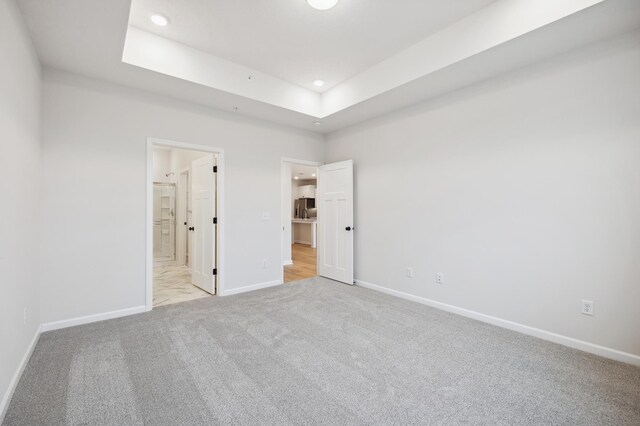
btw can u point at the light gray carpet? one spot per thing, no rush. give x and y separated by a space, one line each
314 352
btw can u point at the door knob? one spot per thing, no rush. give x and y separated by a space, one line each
191 228
348 228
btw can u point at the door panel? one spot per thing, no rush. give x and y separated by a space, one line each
335 215
203 185
182 235
326 224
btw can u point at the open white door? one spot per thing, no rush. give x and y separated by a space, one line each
181 220
203 187
335 221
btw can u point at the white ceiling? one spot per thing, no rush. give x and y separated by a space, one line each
94 38
294 42
303 172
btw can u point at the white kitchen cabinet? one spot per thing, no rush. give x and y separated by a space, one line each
307 191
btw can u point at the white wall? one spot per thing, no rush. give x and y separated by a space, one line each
94 151
524 191
181 159
162 165
20 188
167 161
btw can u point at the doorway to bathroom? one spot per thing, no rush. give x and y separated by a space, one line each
184 224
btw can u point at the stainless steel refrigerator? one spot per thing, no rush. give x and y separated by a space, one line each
304 208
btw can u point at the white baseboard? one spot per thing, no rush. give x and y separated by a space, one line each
287 262
250 288
305 243
6 399
49 326
521 328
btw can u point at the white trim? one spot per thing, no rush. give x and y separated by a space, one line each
56 325
251 287
301 162
287 262
155 142
6 399
510 325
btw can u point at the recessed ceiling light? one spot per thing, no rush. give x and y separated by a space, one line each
159 20
313 174
322 4
318 83
295 177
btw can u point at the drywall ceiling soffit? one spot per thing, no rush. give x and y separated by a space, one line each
455 47
293 42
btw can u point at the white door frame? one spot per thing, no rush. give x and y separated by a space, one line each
283 161
155 142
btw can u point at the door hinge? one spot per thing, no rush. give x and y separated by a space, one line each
215 169
215 220
215 271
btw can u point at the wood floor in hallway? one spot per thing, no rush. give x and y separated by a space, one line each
304 263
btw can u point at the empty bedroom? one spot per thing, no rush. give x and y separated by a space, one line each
320 212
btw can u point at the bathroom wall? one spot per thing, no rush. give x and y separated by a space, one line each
162 165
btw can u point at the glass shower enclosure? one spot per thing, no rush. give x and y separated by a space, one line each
164 222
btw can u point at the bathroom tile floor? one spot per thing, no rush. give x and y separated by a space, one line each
172 284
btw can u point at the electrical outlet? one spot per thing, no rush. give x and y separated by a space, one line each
587 307
439 278
264 263
410 272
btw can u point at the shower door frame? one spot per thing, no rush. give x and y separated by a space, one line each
175 221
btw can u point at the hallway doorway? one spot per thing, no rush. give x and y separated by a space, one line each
299 220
